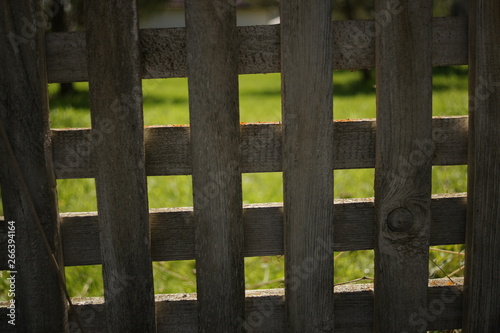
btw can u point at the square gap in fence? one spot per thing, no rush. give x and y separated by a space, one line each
69 105
264 272
172 277
446 261
354 94
170 191
449 179
165 101
450 91
76 195
354 267
262 187
4 283
354 183
84 281
260 98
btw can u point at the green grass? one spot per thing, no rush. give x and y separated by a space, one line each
166 102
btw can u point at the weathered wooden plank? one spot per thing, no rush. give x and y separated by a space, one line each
26 173
212 50
482 292
449 41
164 50
265 310
172 230
403 163
168 147
306 67
450 141
116 112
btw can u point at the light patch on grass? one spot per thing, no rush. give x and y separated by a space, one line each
262 187
174 276
351 265
70 111
356 183
76 195
449 179
170 191
84 281
264 272
165 101
260 98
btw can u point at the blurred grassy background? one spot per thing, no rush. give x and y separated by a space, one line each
166 102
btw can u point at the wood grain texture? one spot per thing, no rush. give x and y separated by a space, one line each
306 67
168 147
24 118
403 163
164 50
172 230
212 46
482 301
118 139
266 311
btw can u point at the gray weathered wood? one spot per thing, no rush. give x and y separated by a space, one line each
172 230
168 147
118 134
164 50
24 118
212 50
265 310
403 163
306 67
482 291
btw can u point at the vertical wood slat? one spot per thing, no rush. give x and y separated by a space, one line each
212 47
482 291
24 116
306 48
403 163
117 126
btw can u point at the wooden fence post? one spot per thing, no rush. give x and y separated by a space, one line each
118 139
26 174
482 291
212 48
307 67
404 150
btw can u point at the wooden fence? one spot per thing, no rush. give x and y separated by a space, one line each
403 220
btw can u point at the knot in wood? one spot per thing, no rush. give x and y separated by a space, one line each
400 220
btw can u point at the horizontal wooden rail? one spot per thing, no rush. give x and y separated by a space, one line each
265 310
172 230
164 50
168 147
